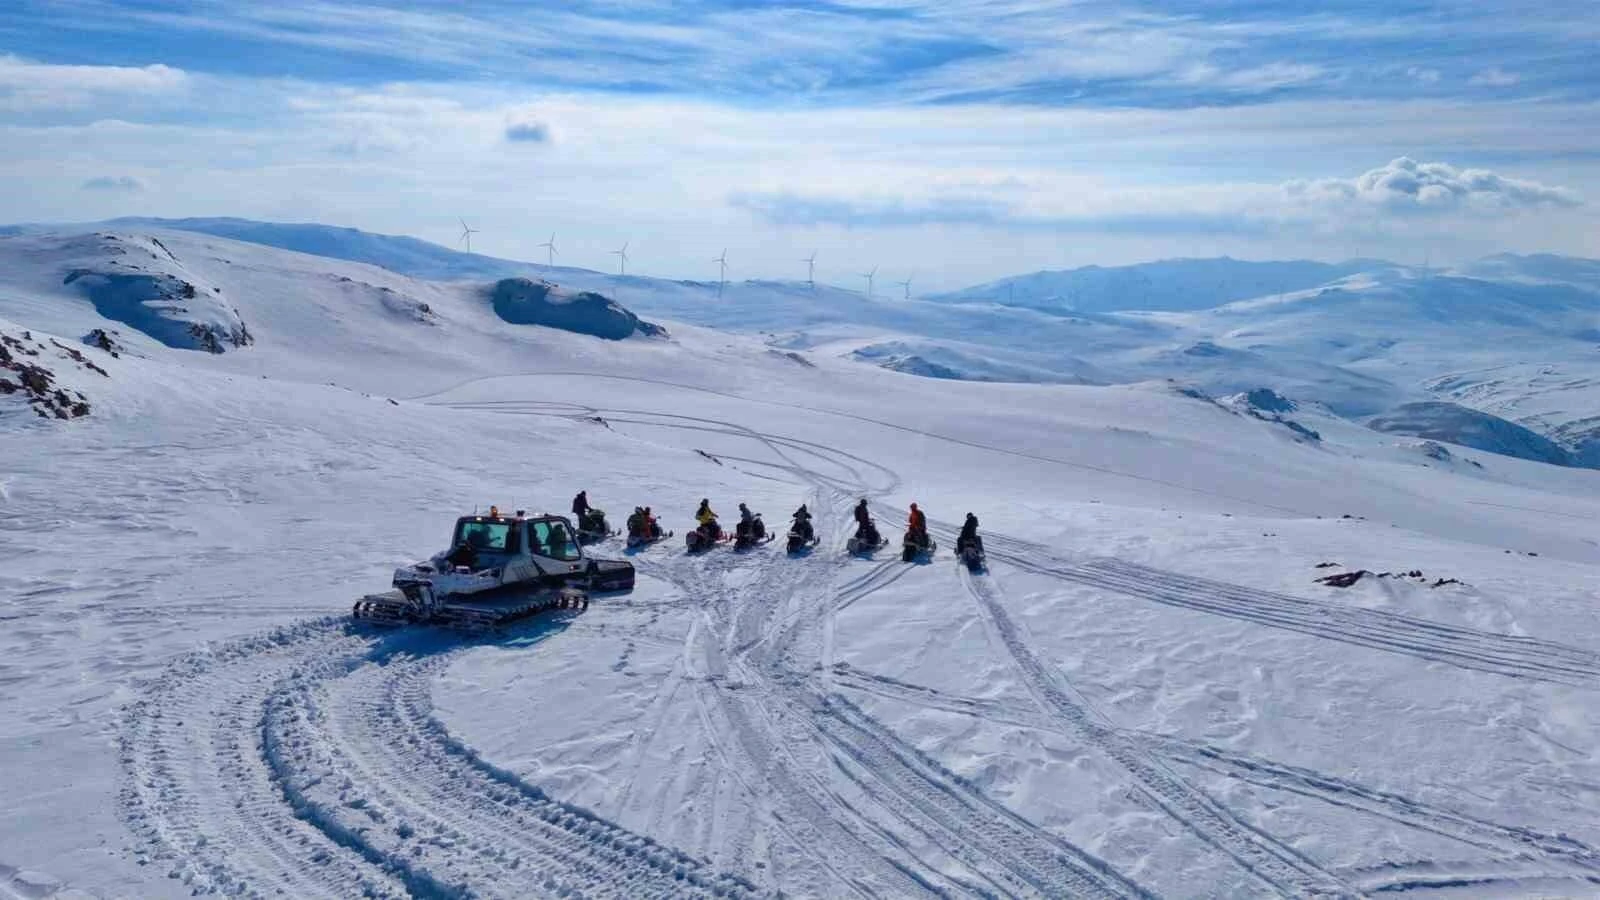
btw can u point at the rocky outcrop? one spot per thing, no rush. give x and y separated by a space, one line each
23 373
523 301
173 310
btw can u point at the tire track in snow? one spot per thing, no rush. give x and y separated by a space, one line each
306 762
200 794
1516 844
913 794
1282 868
1499 654
962 822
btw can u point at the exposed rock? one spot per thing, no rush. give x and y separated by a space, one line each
522 301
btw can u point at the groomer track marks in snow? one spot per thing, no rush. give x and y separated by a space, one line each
307 762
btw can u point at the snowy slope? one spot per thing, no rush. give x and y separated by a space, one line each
1168 285
1147 693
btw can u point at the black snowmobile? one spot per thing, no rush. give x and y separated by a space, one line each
750 533
916 546
970 554
802 536
866 539
592 527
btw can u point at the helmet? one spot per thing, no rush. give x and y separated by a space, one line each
913 506
704 502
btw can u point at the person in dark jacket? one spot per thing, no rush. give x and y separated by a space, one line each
864 528
580 505
969 534
802 523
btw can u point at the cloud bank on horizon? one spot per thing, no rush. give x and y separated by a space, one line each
888 132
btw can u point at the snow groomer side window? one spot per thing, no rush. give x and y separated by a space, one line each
486 537
552 539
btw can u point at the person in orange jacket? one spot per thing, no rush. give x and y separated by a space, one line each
917 524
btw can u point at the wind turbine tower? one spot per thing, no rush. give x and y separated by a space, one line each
907 284
550 248
722 277
622 259
811 270
869 276
467 233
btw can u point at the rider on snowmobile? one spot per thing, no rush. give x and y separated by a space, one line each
866 532
802 523
707 519
969 535
651 529
580 505
746 520
636 523
917 525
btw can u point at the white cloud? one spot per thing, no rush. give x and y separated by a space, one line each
1494 76
1423 74
1405 185
28 85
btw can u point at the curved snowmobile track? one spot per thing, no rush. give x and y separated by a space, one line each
769 695
307 762
910 794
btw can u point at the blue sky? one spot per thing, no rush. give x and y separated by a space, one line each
994 134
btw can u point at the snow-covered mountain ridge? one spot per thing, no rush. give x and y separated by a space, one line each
1148 692
1513 337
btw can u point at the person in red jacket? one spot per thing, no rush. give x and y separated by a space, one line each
917 525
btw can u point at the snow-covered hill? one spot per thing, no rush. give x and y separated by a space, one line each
1148 692
1361 337
1170 285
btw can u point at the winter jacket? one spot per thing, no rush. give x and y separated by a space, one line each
580 503
917 521
969 530
704 515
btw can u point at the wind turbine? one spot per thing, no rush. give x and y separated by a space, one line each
622 259
811 270
907 283
869 276
722 261
467 233
550 246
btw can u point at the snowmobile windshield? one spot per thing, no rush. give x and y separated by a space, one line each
485 537
554 540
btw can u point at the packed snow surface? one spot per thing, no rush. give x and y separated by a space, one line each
1145 693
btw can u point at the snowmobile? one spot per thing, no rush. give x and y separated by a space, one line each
751 533
592 527
649 534
970 554
802 536
866 539
499 569
705 537
913 547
